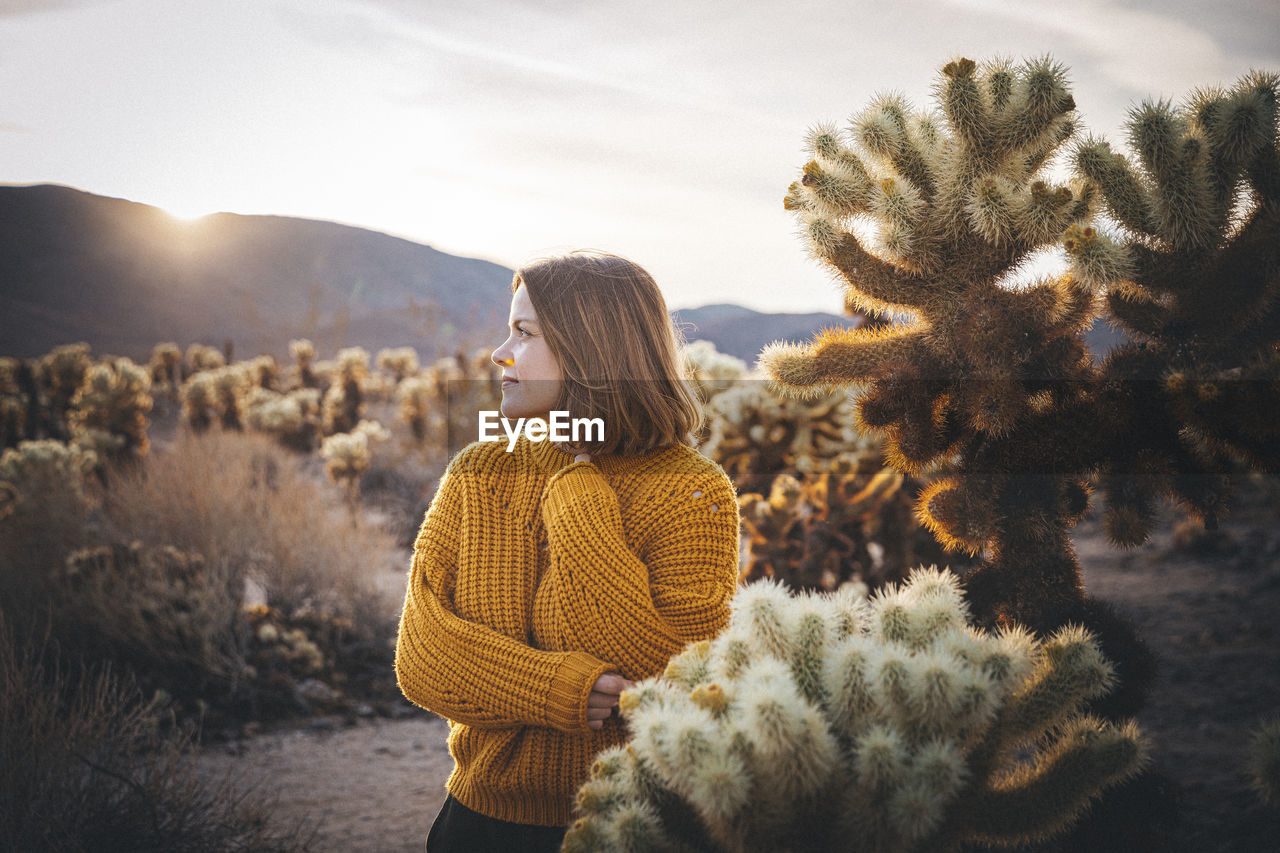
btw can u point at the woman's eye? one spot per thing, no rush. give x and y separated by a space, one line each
521 331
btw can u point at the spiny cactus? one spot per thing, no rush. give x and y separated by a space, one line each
347 455
850 522
304 356
201 357
165 367
711 370
109 410
344 401
293 418
1198 292
833 722
756 434
61 373
401 362
159 608
37 468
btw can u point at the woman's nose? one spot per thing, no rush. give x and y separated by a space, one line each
500 357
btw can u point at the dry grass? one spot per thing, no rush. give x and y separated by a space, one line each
83 767
251 510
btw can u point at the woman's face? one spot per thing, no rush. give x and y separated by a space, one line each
531 378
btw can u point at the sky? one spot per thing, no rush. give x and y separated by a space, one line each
666 131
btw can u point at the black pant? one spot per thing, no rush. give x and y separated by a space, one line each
458 829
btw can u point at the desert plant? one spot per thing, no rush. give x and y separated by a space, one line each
711 370
988 382
293 418
83 766
60 373
343 403
852 521
165 367
304 356
201 357
51 498
348 455
1193 278
756 434
400 362
162 612
835 722
109 410
1264 762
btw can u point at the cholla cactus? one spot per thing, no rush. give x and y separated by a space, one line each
1265 762
415 396
460 387
293 418
832 722
201 357
159 608
755 434
304 356
852 522
401 362
47 467
347 455
15 406
1199 294
712 370
344 401
61 373
165 368
109 409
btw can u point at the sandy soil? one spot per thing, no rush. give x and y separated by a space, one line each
1212 618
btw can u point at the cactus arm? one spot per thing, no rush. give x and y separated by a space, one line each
834 356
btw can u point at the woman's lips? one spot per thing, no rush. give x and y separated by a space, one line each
507 382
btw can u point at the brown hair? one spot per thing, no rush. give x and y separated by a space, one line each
607 325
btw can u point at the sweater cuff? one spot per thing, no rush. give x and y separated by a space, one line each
575 481
570 689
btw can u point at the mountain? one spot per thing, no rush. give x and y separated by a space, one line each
124 276
742 332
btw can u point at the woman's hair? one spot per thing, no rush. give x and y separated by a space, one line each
608 327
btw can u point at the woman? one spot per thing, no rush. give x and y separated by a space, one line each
548 579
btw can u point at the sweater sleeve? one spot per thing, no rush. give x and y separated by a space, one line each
638 612
468 672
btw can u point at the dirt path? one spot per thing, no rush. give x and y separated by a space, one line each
375 786
1212 619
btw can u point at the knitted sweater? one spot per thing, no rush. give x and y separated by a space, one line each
532 576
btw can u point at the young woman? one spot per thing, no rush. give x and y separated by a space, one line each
548 579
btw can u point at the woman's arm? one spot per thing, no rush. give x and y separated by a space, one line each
468 672
637 613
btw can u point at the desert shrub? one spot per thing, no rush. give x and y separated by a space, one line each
248 506
165 368
165 613
52 496
83 766
201 357
1264 763
835 722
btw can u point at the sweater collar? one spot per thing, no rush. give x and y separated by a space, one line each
546 457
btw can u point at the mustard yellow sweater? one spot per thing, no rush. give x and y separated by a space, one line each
532 576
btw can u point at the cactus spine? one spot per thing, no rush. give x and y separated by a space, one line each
830 721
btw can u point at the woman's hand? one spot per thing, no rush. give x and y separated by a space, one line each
582 457
604 697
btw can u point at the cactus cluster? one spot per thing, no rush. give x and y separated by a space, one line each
830 722
109 409
988 381
852 521
347 455
1198 293
755 434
